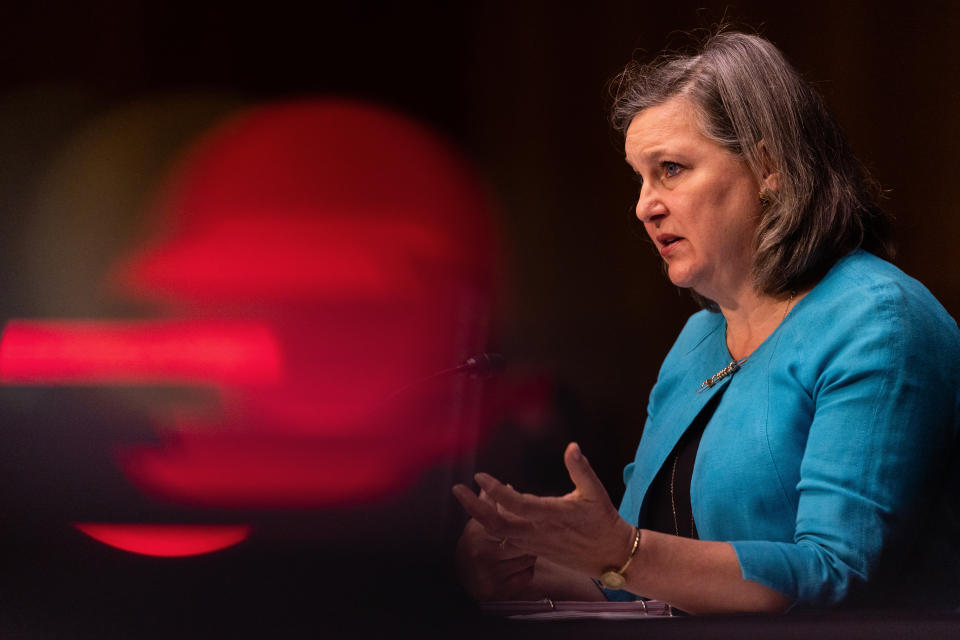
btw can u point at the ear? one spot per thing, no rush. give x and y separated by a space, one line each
770 181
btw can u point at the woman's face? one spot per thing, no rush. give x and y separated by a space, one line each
698 202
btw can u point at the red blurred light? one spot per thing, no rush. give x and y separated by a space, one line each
147 352
362 247
166 540
366 242
318 199
277 257
208 466
262 472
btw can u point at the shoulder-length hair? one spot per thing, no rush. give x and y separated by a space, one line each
751 101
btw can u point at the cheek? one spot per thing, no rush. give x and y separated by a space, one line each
726 197
736 206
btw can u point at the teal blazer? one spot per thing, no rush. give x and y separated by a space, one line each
830 462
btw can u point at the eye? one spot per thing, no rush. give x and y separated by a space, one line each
639 180
671 169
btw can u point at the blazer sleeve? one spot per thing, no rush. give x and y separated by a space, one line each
881 375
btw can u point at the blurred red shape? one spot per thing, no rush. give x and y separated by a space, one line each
315 200
87 352
284 258
222 470
166 540
367 244
211 467
358 248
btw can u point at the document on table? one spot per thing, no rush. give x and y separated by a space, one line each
547 609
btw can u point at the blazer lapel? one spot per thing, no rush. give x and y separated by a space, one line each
675 416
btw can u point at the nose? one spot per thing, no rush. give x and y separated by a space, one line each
650 207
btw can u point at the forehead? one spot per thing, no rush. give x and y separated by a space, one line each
670 126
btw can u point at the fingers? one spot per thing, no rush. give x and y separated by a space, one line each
582 474
488 513
475 531
522 505
481 547
499 504
489 571
479 509
486 498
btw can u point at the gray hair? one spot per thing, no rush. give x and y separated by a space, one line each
752 102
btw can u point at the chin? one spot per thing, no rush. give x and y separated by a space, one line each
681 278
688 273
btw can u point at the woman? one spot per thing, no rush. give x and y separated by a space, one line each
800 443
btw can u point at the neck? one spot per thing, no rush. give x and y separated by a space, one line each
751 318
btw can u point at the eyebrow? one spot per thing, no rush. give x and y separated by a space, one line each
659 150
650 154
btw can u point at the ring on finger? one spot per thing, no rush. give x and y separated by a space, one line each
502 544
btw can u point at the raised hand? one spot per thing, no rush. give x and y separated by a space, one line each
580 530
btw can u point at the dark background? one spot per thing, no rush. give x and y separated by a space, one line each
520 88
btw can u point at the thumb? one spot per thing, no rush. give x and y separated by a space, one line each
582 473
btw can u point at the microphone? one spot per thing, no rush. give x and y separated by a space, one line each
482 365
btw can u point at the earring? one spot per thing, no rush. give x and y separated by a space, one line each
765 199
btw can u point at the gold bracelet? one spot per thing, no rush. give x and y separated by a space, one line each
613 578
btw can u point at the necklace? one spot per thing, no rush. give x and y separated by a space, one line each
735 365
673 498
